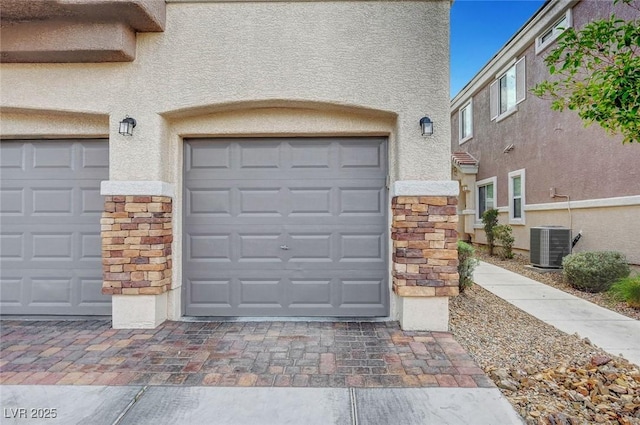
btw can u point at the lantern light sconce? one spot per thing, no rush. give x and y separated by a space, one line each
426 125
126 126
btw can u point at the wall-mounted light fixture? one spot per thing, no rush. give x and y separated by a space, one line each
426 125
126 126
465 188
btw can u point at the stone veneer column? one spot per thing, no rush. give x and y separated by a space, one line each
425 251
136 236
425 258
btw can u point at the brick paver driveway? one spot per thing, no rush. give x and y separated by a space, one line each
281 354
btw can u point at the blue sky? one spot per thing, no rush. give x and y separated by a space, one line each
479 28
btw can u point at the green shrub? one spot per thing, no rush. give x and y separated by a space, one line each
490 220
466 265
627 289
594 271
503 233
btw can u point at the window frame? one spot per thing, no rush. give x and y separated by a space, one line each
519 68
469 106
483 183
512 219
553 31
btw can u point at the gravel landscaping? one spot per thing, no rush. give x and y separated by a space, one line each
548 376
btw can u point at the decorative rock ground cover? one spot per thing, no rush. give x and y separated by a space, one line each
548 376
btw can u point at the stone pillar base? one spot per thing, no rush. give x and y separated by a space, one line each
424 313
138 312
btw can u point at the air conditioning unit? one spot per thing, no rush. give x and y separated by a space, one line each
549 245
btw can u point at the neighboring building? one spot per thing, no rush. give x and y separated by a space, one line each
539 167
277 166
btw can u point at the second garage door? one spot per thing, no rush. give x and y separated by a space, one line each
285 227
50 208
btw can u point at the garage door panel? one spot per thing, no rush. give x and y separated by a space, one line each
286 227
365 247
310 201
207 156
10 290
261 154
362 201
51 155
208 247
32 248
300 158
261 202
52 246
52 201
91 202
50 226
315 156
67 292
312 292
12 246
90 294
208 201
89 248
261 292
13 158
94 157
362 155
309 247
55 160
50 290
207 291
12 201
361 292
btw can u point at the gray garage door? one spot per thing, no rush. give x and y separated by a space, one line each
285 227
50 207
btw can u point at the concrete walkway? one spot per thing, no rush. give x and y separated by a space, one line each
159 405
613 332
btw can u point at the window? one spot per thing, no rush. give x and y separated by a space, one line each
516 197
508 91
465 116
551 33
486 190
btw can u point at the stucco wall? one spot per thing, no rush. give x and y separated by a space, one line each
554 147
603 229
385 56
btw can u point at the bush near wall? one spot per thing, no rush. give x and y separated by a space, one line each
503 233
594 271
466 264
490 221
627 289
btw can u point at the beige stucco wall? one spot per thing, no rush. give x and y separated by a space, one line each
603 229
254 69
384 56
20 124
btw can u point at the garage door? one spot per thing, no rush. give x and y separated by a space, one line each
50 206
285 227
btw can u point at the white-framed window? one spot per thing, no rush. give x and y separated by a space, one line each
485 196
465 118
508 90
516 196
553 31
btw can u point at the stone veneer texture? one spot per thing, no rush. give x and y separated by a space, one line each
136 245
425 251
